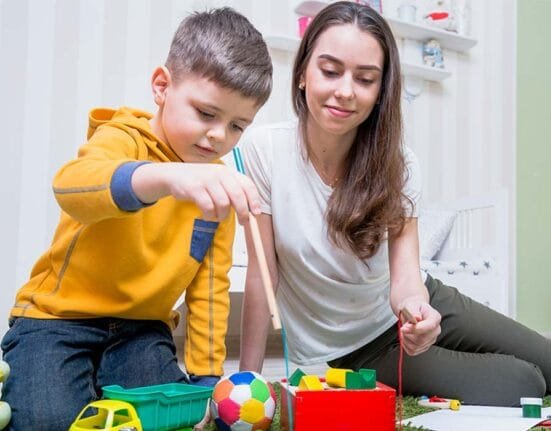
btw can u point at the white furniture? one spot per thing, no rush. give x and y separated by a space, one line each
403 30
475 256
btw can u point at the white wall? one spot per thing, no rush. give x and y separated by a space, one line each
61 57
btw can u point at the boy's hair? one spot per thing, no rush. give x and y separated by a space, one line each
222 45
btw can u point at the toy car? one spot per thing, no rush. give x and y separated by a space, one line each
107 415
170 406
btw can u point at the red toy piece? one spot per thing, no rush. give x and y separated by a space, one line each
439 403
340 409
545 424
436 16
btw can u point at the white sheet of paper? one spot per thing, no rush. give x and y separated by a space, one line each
470 418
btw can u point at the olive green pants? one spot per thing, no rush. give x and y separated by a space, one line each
481 357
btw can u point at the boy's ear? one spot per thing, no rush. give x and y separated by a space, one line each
160 81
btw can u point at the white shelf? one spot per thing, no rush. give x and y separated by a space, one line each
425 72
290 44
403 29
447 39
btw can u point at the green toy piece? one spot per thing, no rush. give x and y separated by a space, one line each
364 379
170 406
370 377
355 381
294 380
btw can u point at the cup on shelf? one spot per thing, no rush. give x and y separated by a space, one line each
407 12
303 23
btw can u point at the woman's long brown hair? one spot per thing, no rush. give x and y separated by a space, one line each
369 200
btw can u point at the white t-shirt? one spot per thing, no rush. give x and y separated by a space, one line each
331 302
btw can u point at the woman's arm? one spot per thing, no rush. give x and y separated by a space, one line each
407 291
255 317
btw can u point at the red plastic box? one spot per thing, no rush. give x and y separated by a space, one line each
340 409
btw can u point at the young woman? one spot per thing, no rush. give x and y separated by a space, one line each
339 227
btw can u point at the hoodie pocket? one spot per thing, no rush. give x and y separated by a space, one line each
201 238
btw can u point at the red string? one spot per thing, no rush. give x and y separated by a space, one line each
400 399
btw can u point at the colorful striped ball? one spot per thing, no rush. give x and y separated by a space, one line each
243 401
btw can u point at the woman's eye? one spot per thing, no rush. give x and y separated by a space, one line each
329 73
366 81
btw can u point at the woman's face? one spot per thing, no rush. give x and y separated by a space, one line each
342 79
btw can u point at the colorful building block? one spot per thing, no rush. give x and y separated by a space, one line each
294 380
370 376
344 378
310 383
336 377
356 381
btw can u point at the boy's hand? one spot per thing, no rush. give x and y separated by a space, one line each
419 335
214 188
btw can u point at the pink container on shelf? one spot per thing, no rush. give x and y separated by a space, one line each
303 23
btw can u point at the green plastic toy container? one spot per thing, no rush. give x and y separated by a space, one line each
167 407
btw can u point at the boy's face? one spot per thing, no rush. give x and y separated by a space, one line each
199 119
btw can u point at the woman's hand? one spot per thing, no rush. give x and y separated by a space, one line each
421 333
408 294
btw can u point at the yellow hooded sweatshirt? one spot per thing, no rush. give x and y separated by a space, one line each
113 256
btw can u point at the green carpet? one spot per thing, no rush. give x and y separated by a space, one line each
411 408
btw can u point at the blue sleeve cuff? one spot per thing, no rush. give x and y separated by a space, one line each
121 188
204 380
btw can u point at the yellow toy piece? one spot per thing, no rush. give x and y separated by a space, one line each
310 383
336 377
107 415
455 404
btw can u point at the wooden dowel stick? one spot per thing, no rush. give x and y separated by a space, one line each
408 315
264 272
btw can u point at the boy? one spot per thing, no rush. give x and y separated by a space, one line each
145 217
